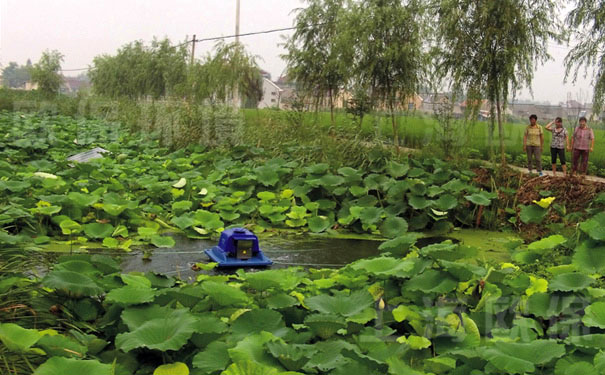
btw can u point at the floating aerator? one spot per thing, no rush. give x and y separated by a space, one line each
238 247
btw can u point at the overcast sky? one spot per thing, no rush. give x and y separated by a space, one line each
82 29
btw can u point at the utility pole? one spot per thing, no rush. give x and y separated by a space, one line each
192 49
237 21
236 100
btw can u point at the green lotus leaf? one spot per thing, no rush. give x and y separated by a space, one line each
546 305
358 191
292 356
162 241
183 221
595 227
62 366
131 295
318 224
547 243
415 342
418 202
393 227
481 199
331 181
595 315
72 283
386 266
324 325
136 316
281 301
252 348
176 368
340 304
582 367
446 202
418 188
351 175
399 245
279 279
519 358
266 175
170 332
266 196
532 214
47 210
81 199
113 209
319 168
590 257
257 321
570 282
590 341
370 215
463 271
397 170
224 295
98 230
431 281
70 227
181 206
110 242
146 232
61 346
434 191
16 338
249 368
215 357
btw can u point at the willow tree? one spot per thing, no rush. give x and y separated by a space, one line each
389 59
318 56
489 49
139 70
586 23
229 68
47 72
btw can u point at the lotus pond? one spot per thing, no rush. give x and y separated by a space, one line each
397 307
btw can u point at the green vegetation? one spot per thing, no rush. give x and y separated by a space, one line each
441 309
46 73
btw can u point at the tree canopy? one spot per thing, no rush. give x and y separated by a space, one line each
586 23
47 72
489 49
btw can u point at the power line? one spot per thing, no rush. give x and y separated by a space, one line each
246 34
73 70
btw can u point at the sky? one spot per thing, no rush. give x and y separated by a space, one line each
83 29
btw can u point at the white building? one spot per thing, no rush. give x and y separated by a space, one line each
271 95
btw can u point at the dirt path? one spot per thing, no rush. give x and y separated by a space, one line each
559 174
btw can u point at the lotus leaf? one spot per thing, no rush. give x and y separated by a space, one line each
16 338
131 295
324 325
532 214
170 332
62 366
98 230
215 357
570 282
595 315
73 283
224 295
162 241
431 281
177 368
340 304
393 227
590 257
547 243
61 346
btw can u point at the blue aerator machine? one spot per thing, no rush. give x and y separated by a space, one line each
238 247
